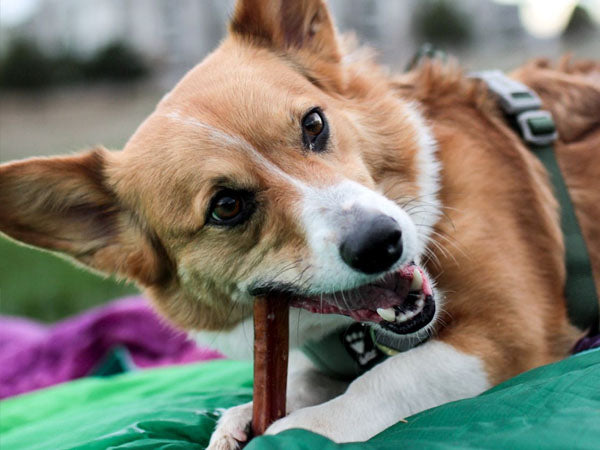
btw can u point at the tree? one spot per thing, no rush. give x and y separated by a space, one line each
580 25
441 22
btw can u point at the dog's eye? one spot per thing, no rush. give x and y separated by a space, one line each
313 124
229 207
315 130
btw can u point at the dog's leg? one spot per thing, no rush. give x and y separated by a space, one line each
427 376
306 387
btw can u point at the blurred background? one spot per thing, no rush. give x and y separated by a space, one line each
76 73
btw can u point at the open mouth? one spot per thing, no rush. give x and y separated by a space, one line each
401 301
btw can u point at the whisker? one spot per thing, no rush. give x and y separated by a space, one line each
346 304
455 244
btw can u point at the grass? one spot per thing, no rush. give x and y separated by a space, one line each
46 287
39 284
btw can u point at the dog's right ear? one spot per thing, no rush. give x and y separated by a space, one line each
288 25
66 204
302 29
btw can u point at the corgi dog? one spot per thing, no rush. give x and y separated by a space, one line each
288 161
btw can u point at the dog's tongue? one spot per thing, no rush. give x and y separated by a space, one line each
394 294
385 293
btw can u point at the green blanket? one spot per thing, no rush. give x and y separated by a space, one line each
556 406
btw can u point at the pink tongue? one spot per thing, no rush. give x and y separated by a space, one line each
374 297
364 315
361 304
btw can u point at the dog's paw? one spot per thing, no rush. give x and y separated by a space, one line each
233 429
306 418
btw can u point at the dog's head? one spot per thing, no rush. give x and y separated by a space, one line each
280 163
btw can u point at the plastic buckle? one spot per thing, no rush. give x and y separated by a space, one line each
426 51
514 97
537 127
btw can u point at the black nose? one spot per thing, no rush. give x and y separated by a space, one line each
374 244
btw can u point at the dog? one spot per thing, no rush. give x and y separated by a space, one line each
288 161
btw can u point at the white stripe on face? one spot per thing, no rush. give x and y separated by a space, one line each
240 143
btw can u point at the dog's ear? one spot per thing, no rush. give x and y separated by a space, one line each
65 204
288 25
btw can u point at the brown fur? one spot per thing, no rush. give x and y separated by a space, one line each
498 251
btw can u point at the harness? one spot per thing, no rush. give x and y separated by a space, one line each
523 109
350 352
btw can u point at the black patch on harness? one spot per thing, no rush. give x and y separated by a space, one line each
360 346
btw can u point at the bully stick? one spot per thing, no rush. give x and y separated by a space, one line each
271 336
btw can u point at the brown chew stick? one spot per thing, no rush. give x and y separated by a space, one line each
271 336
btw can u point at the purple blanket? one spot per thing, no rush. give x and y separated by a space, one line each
33 355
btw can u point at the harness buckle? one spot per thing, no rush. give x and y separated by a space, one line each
537 127
514 97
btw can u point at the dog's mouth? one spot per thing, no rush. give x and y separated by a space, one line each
401 301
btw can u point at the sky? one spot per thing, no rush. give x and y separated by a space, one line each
547 18
542 18
13 12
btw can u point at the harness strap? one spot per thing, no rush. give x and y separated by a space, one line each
537 128
580 289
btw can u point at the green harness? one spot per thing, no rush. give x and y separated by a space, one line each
350 352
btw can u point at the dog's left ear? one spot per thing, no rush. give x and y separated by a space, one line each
303 28
66 204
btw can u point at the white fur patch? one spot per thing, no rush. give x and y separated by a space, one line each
429 208
326 214
427 376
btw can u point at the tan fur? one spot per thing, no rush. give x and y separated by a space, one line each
141 212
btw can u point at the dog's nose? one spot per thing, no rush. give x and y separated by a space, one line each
374 245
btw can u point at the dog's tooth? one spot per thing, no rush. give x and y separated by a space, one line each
420 303
401 317
417 281
387 314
